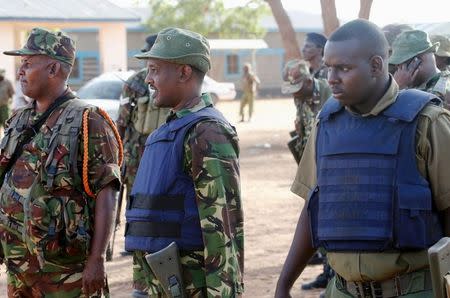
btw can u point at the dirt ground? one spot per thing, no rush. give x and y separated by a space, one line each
270 209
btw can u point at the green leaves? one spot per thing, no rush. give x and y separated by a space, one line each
209 17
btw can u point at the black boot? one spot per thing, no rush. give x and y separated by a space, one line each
322 279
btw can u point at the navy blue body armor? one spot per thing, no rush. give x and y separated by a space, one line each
370 195
162 206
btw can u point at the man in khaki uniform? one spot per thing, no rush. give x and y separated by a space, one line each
413 54
442 55
249 84
374 176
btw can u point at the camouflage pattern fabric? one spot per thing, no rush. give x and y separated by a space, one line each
133 145
440 86
133 141
61 208
6 93
211 156
55 44
321 73
307 111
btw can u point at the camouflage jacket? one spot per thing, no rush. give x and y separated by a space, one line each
307 110
211 157
440 86
133 141
43 195
321 73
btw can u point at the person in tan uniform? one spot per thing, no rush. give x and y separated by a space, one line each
249 83
374 175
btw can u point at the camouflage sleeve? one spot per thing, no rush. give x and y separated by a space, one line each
125 107
211 157
103 154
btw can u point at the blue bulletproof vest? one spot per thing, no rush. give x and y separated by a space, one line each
370 195
162 207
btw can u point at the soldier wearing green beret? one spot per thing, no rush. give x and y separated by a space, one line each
442 55
59 169
187 188
413 54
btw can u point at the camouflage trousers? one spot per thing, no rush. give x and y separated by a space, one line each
45 285
142 282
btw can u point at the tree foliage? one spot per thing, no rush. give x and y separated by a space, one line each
209 17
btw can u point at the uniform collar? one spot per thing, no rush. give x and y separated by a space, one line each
194 105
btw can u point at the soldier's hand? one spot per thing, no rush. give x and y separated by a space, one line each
406 73
93 275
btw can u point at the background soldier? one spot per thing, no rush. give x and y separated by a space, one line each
391 31
249 84
312 52
309 96
413 53
187 188
442 54
376 222
138 117
6 93
58 179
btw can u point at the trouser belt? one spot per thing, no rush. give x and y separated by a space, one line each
397 286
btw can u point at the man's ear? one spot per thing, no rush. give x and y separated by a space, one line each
376 65
54 69
185 73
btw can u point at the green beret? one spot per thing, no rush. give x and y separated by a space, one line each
182 47
56 45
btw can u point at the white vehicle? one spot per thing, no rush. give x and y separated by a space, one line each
218 90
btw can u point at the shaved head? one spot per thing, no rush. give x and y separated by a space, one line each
369 35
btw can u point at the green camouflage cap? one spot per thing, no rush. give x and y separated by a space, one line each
444 45
410 44
55 44
182 47
295 73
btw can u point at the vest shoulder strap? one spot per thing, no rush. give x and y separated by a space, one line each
408 104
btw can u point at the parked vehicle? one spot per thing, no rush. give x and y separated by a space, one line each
104 90
218 90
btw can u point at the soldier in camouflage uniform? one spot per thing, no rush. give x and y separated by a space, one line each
206 158
413 54
312 52
309 95
6 93
135 105
442 54
59 168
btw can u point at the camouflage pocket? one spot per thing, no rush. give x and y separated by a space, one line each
60 250
42 220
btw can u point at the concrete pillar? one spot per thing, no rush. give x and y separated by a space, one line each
7 37
112 40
